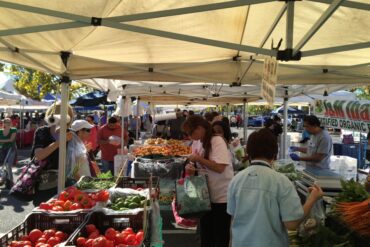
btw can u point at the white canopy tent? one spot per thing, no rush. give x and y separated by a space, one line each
189 41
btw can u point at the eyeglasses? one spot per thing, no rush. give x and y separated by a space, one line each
86 130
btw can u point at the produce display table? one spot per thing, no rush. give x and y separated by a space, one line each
58 213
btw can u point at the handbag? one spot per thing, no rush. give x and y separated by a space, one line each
192 195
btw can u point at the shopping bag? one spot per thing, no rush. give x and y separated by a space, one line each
192 196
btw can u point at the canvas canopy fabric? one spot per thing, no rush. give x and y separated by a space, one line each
190 41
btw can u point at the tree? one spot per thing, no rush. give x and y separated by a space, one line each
362 92
36 84
259 109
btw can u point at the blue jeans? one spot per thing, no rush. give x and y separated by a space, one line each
107 166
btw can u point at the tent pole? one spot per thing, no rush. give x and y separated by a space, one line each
245 125
289 24
283 146
63 133
123 122
137 117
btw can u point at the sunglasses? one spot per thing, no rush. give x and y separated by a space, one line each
86 130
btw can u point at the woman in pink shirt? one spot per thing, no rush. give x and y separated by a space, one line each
212 157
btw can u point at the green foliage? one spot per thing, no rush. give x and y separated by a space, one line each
259 110
362 92
36 84
352 192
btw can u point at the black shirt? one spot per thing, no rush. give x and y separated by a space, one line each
42 139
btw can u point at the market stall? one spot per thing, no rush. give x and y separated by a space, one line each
143 42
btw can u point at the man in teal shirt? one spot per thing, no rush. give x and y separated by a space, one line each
262 202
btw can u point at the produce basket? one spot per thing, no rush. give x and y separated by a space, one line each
65 223
103 222
135 183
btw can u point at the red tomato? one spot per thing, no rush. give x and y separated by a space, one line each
60 235
103 195
45 245
45 236
81 241
110 243
52 201
57 208
129 229
24 243
85 202
89 243
139 236
63 196
52 241
67 205
90 228
25 238
39 244
59 203
110 233
94 234
34 235
99 242
49 233
78 197
75 206
45 206
41 240
130 239
120 238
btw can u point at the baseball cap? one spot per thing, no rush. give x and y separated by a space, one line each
81 124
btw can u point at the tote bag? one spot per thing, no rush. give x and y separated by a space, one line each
192 195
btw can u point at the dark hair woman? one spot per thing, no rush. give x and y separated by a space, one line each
222 129
212 157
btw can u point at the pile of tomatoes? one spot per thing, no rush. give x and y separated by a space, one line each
111 238
73 199
38 238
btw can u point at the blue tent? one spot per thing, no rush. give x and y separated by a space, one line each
50 98
92 108
90 99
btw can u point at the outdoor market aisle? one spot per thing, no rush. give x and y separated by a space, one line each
177 237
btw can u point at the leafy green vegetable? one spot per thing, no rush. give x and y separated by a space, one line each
286 169
99 184
105 175
324 238
352 192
